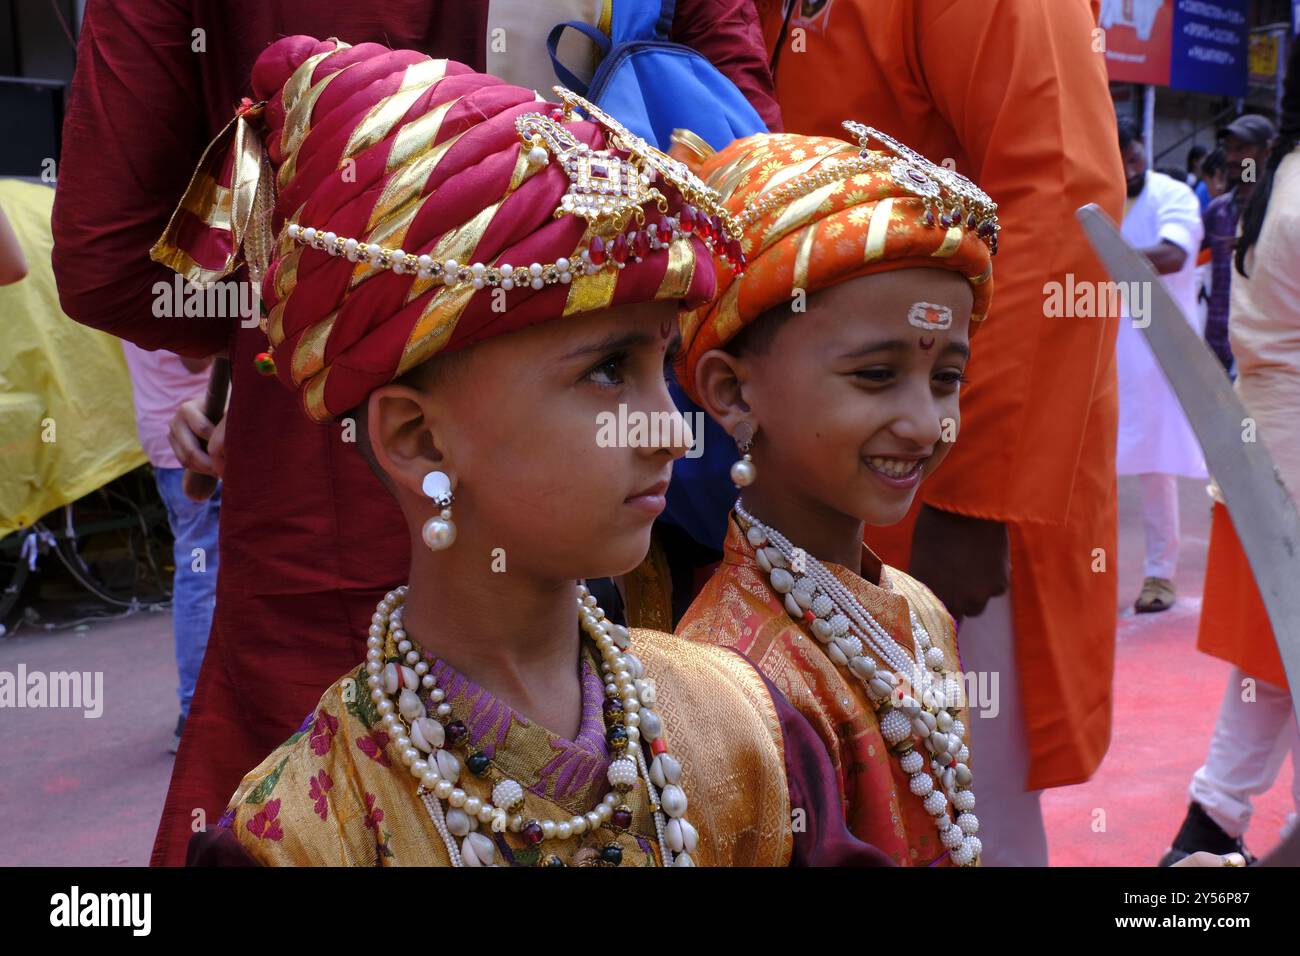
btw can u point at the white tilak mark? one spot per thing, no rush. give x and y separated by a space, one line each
928 316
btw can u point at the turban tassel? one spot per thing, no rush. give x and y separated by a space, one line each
224 217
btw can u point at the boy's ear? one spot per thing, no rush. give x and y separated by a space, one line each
403 436
720 382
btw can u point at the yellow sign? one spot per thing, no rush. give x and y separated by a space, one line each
1265 54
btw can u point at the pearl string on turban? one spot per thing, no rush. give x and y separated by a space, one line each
378 197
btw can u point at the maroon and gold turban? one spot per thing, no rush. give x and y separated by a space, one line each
393 206
816 211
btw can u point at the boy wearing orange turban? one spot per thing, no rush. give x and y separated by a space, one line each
415 226
836 364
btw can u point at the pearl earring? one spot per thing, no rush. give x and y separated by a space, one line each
743 472
439 531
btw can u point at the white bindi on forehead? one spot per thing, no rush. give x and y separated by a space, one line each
929 316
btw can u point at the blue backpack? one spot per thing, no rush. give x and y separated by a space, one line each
652 85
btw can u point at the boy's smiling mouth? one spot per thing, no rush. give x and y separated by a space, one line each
897 472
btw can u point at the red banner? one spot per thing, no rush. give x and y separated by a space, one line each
1139 37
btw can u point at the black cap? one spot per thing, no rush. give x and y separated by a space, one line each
1252 128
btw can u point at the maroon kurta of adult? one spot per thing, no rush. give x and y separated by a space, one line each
310 540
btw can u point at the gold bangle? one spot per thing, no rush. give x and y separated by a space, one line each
693 142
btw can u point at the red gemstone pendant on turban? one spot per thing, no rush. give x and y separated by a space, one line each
391 206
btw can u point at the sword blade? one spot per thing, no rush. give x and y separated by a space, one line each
1262 511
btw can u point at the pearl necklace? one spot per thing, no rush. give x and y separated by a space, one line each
396 668
846 631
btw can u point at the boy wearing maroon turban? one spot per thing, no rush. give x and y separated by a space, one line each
415 227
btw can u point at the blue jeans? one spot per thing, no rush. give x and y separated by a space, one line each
194 588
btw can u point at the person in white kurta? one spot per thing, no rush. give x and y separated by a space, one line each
1155 440
1254 733
1264 328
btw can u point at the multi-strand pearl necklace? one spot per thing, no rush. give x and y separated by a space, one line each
855 641
397 670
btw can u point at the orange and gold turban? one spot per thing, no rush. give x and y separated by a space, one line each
392 206
816 211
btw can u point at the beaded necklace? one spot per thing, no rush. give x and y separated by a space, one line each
397 672
857 643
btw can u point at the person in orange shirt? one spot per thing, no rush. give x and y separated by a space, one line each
835 364
1017 534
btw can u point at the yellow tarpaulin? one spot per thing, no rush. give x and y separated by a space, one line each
67 425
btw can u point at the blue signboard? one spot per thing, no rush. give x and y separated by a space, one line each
1210 47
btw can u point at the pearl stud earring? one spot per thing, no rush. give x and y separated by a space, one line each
439 532
743 472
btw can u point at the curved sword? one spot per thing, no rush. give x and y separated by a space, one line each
1262 511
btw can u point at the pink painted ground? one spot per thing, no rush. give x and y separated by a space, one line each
77 791
1166 700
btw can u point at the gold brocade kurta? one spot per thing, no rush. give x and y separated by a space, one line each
337 794
738 608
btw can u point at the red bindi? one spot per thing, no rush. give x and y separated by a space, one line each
927 343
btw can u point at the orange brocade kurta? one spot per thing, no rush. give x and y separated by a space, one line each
738 608
1015 95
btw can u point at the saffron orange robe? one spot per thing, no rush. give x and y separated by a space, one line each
1015 96
337 793
1234 625
737 608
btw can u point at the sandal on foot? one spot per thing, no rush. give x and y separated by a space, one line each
1157 595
